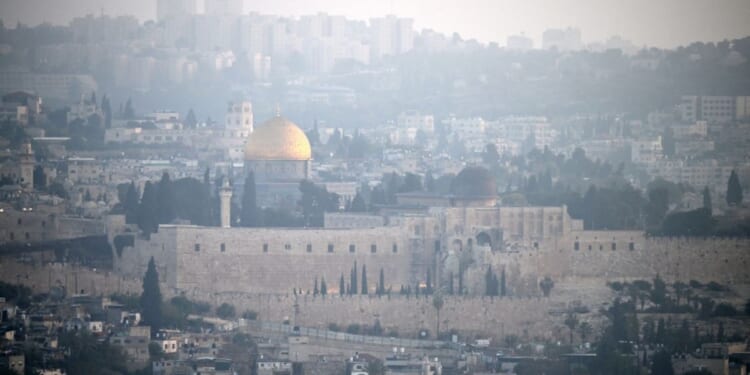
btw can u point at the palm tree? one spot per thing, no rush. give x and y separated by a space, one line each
437 303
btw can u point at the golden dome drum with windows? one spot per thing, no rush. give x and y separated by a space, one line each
278 151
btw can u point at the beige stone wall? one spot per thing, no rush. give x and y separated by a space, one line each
266 260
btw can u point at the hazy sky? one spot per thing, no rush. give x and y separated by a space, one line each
663 23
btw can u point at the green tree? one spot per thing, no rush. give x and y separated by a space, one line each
437 303
353 280
166 203
323 287
250 215
584 330
129 111
707 199
546 285
151 297
381 283
147 214
490 156
658 205
661 364
107 111
342 285
225 311
190 120
130 205
571 321
734 190
364 279
659 292
358 204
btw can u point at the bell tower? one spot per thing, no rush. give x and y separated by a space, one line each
27 163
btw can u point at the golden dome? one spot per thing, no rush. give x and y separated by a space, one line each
278 139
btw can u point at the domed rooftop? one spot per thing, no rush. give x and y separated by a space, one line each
474 182
278 139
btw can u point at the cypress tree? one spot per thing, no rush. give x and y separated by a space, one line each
353 285
364 279
315 287
151 297
734 190
428 283
488 281
131 204
342 287
502 283
165 202
147 215
381 283
358 204
707 199
323 287
250 215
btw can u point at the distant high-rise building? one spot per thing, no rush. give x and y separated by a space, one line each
390 36
223 7
519 42
562 39
175 8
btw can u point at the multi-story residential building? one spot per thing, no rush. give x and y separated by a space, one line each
390 35
646 151
519 43
414 119
714 109
175 8
562 39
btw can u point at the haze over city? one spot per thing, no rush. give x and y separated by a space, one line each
664 23
329 187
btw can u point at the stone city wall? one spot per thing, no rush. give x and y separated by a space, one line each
264 260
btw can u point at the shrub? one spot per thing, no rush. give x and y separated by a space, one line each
725 309
353 329
250 315
225 311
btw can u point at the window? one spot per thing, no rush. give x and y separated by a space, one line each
265 247
44 223
309 248
223 247
631 246
27 235
197 247
330 248
352 248
373 248
577 246
536 245
601 247
12 236
287 246
614 246
589 247
395 248
19 221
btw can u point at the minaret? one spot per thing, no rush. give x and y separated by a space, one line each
27 161
226 204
